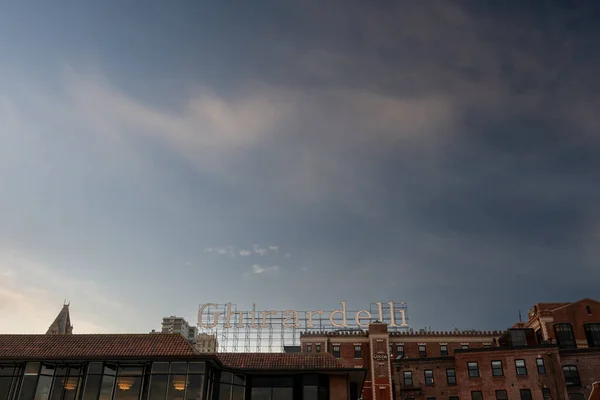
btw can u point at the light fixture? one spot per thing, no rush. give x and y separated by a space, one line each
179 383
71 383
125 383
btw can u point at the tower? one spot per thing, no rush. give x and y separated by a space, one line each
62 323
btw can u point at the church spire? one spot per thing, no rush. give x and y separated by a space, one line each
62 322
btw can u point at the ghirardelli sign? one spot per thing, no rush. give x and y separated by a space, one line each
209 318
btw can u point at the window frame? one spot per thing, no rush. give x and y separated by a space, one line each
470 369
422 350
525 391
453 376
429 381
592 334
336 351
496 368
358 351
502 391
479 397
407 376
562 344
541 366
518 368
443 350
571 380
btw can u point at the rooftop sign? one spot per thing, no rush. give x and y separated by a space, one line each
209 317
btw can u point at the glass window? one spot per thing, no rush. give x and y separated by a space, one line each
408 380
129 382
518 337
501 395
588 310
357 351
564 336
541 367
443 350
546 393
476 395
464 346
521 367
525 394
318 347
45 382
178 368
473 369
428 376
309 348
8 379
160 368
422 350
106 387
451 376
400 349
66 383
336 351
497 368
571 375
176 387
158 387
487 346
391 349
592 334
225 391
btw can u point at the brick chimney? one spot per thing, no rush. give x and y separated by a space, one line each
381 368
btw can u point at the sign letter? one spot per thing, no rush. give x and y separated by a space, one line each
358 317
344 324
201 321
296 323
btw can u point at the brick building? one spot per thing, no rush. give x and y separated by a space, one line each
163 367
554 355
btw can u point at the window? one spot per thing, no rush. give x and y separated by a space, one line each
538 336
408 380
428 377
400 350
464 346
357 351
315 387
564 336
336 351
443 350
67 380
476 395
473 369
168 380
588 310
453 398
9 375
577 396
541 367
525 394
487 346
592 334
318 347
497 368
280 388
309 348
232 387
521 367
518 337
451 376
571 375
44 382
422 350
501 395
546 395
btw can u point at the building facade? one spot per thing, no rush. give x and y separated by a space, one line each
553 355
163 367
179 325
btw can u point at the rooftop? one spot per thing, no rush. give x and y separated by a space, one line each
96 345
282 361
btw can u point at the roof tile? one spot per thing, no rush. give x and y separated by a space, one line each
281 361
97 345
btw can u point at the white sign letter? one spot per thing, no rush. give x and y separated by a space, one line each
358 317
201 321
343 312
296 323
310 315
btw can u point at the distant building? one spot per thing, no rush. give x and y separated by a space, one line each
62 323
179 325
206 343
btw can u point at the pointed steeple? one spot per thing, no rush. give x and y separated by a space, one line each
62 322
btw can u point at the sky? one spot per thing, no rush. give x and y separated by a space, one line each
155 156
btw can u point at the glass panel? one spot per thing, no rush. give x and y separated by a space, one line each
225 391
323 393
158 386
239 393
283 393
110 369
128 388
239 379
28 387
261 393
43 387
32 368
160 368
71 387
5 383
226 377
194 389
47 369
196 368
177 384
92 385
95 368
7 370
178 368
130 370
106 387
283 382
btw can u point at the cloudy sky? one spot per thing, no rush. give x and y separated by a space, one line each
158 155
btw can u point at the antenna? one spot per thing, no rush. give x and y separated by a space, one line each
520 319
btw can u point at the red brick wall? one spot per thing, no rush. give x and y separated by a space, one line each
510 382
440 387
576 314
338 387
588 365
